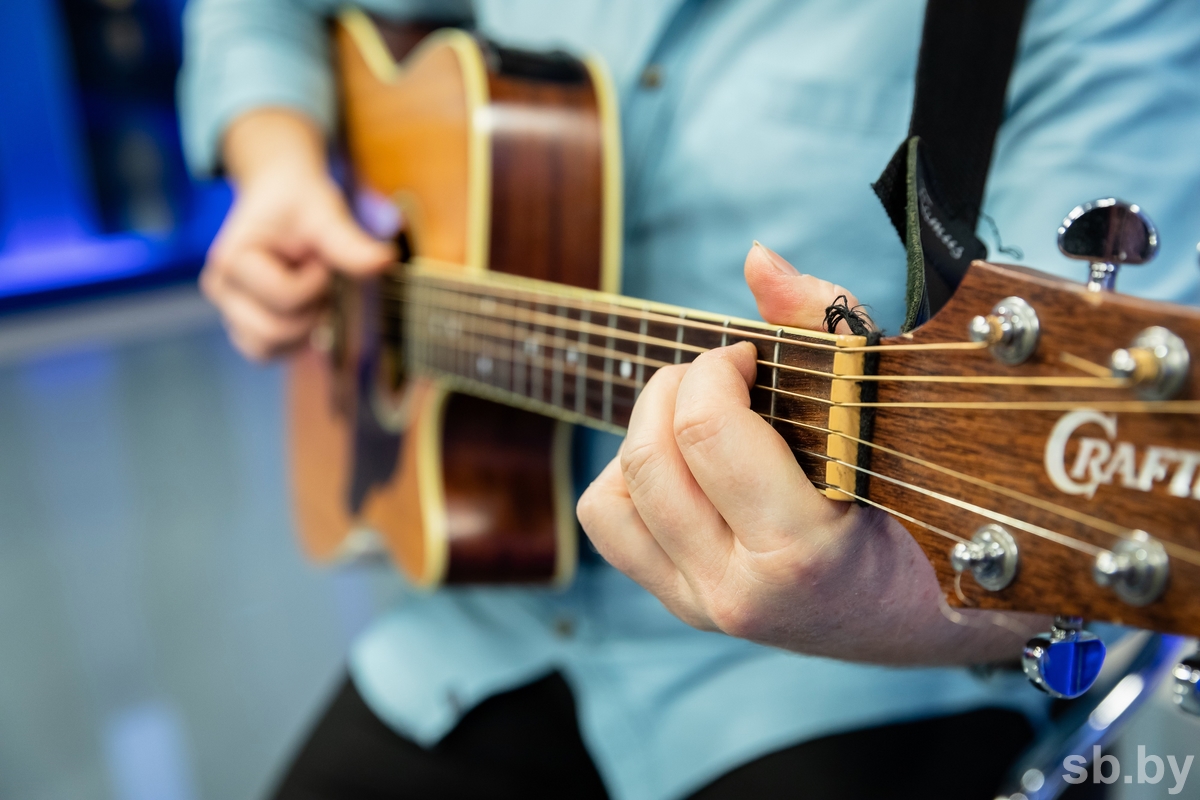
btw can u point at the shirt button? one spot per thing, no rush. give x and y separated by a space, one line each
652 77
564 626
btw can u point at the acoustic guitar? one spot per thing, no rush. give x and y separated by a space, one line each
1039 438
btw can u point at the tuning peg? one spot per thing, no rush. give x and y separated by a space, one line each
1065 662
1187 684
1107 233
991 556
1136 569
1156 364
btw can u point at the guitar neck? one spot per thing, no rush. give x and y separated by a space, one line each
584 356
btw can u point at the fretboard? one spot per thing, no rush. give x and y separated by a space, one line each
585 356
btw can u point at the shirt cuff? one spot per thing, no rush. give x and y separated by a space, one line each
244 77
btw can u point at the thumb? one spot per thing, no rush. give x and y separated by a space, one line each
342 244
786 297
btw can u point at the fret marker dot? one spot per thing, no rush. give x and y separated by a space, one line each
626 369
531 346
572 356
483 365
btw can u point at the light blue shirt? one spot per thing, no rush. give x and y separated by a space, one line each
772 120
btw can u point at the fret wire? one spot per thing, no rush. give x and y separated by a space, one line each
592 328
537 375
499 352
643 327
1147 407
774 380
1171 407
618 302
607 353
580 380
1127 406
518 370
556 391
608 365
614 303
679 338
1053 536
488 324
1037 530
1003 380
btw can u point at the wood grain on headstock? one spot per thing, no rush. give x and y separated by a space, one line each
993 456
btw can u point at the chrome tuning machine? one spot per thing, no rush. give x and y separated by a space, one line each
1136 569
1187 684
1156 364
1107 233
1065 662
1010 331
991 556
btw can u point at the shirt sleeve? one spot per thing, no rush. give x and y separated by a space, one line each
246 54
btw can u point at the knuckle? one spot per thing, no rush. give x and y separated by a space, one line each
641 460
588 508
696 427
735 616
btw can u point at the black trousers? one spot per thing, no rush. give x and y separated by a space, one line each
526 744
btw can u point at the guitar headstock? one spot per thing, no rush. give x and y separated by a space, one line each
1069 435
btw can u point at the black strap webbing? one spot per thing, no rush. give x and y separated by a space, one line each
933 187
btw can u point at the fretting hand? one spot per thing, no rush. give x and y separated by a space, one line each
269 268
706 507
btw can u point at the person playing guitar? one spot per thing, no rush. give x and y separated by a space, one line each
817 657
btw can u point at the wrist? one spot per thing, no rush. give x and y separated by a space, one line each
274 144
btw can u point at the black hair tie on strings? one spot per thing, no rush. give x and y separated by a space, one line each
855 318
860 325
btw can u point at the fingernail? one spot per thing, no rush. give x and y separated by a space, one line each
777 261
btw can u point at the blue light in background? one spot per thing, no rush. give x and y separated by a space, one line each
93 193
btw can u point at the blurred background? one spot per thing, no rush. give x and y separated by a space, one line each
160 636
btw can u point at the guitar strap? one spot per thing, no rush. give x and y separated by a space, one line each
932 189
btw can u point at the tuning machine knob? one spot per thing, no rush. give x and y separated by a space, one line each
1187 684
991 556
1011 330
1136 569
1107 233
1065 662
1156 363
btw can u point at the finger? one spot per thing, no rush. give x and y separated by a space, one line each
611 521
786 297
742 465
341 243
259 332
668 499
282 288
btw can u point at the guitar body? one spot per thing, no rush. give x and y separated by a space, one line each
498 161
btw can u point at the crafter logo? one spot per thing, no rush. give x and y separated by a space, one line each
1106 461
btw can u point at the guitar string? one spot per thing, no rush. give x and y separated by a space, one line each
1180 551
616 305
1132 407
995 516
1005 380
1127 406
1036 530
